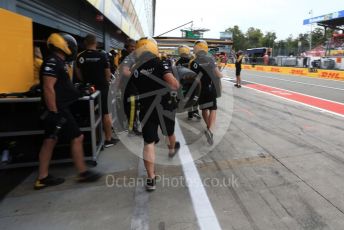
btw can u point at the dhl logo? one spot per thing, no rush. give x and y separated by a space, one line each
298 71
331 75
277 70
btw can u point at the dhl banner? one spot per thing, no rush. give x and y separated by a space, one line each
320 73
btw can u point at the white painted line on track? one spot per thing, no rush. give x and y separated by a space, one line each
289 75
140 218
203 209
294 92
298 82
286 90
289 100
297 102
189 127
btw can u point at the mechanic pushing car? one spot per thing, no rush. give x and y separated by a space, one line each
150 75
205 65
184 60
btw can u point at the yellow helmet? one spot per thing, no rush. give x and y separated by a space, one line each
145 45
183 50
65 43
163 56
200 46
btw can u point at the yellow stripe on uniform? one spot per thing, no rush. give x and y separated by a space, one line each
132 113
191 60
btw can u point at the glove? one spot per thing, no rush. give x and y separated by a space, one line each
57 121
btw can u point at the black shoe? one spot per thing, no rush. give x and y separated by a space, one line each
236 85
190 115
176 149
48 181
150 184
210 137
115 140
137 133
197 116
110 143
89 176
239 86
134 132
131 133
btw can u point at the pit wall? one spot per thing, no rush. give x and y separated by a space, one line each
320 73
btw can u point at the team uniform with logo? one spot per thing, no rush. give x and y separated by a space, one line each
183 61
130 95
148 79
210 89
65 94
92 64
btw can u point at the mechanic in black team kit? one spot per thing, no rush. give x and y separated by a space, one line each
58 95
205 65
129 47
150 75
238 62
184 56
131 103
93 67
184 60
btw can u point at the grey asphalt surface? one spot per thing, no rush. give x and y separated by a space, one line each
275 165
326 89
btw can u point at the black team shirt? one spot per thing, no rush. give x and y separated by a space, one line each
206 65
92 64
183 61
145 84
65 92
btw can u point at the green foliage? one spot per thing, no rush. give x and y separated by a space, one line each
254 38
239 39
268 39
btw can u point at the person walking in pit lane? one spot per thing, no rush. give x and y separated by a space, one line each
205 66
58 95
184 60
93 67
149 74
131 103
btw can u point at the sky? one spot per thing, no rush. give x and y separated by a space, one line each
284 17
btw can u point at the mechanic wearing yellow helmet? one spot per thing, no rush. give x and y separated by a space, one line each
153 78
112 56
205 65
58 95
166 58
184 56
184 60
131 104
